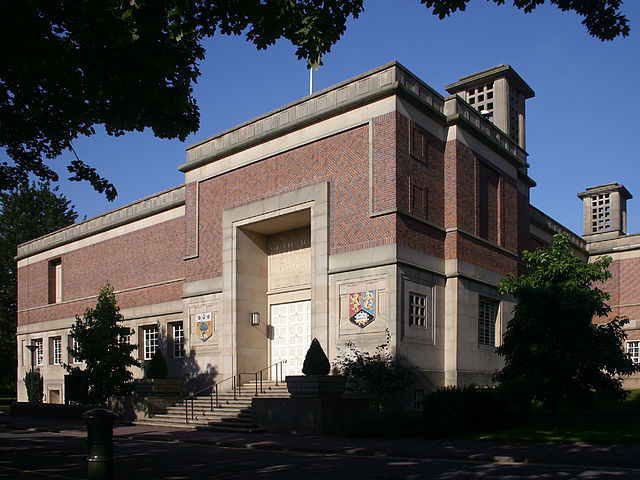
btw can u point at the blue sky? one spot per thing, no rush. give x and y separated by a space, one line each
581 124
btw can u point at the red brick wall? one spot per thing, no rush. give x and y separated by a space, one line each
462 191
342 160
147 256
624 288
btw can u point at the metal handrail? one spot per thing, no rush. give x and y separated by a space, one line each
258 374
236 385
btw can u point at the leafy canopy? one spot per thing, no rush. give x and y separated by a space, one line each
98 344
554 351
131 65
27 212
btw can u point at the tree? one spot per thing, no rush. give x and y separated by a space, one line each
131 65
98 344
27 212
553 350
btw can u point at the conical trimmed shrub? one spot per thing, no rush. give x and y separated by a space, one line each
157 367
316 362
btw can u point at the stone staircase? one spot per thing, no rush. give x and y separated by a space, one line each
232 415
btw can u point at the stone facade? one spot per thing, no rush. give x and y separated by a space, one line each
373 206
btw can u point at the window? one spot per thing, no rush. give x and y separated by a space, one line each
39 353
55 281
633 350
56 349
418 399
74 346
150 342
489 206
124 339
487 314
178 340
417 310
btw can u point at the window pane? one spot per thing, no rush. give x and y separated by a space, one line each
487 313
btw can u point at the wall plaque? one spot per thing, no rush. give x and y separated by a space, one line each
362 308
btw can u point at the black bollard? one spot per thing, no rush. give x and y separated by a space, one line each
100 439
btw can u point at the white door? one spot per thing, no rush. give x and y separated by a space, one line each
291 324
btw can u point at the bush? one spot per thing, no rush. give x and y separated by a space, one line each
157 367
379 373
457 410
35 390
316 362
376 424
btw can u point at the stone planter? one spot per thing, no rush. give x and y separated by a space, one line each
161 387
318 386
153 396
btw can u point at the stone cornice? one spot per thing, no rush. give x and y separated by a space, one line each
137 210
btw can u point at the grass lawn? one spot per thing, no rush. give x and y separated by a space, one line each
608 422
588 433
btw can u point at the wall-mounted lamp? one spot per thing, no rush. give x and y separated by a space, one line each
255 318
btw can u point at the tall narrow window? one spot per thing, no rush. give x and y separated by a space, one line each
56 349
417 310
633 350
150 342
488 222
55 281
487 314
178 340
73 343
39 353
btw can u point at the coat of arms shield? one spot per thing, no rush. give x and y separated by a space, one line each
204 323
362 307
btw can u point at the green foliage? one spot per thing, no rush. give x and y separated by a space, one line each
107 361
553 350
379 372
26 213
157 367
35 386
456 410
132 65
316 362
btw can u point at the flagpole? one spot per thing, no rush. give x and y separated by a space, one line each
310 81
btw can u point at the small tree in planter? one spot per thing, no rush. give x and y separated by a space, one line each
380 373
316 381
34 383
157 368
316 362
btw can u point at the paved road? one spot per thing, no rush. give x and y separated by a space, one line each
46 455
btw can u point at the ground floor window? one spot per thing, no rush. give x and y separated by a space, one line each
633 349
487 315
417 310
418 400
178 340
150 342
56 344
39 352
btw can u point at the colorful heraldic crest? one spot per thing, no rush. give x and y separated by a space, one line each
205 325
362 308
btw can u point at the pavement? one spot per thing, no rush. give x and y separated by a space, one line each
583 454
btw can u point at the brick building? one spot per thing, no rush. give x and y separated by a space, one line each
374 205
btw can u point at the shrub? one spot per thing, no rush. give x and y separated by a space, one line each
35 390
379 373
157 367
457 410
373 423
316 362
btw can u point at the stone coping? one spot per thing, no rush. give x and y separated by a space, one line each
386 80
545 221
137 210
